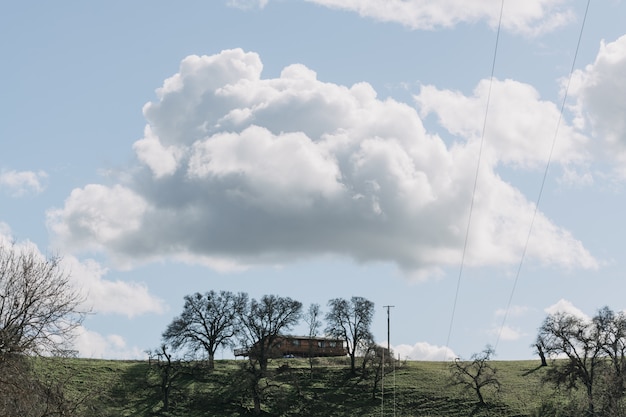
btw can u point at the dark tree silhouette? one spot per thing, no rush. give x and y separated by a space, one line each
476 374
207 322
312 318
262 323
351 321
595 351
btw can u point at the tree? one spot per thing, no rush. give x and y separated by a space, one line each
539 349
264 321
262 324
312 318
39 311
351 321
376 364
476 374
611 330
168 370
39 307
207 322
573 337
595 357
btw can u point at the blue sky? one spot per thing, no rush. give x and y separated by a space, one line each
320 149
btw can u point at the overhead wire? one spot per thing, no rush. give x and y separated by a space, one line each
545 176
471 208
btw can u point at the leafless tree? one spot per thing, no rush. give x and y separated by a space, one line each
376 365
262 323
566 334
595 352
168 368
476 374
351 321
39 307
39 311
207 322
312 318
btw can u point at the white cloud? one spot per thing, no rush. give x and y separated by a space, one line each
530 17
423 351
564 306
599 91
162 161
520 126
100 294
106 212
507 333
513 311
237 170
247 4
20 183
90 344
111 297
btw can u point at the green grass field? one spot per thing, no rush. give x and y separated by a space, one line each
129 388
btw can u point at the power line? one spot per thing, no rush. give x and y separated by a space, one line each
545 176
471 210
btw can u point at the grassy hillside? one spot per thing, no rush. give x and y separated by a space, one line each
131 388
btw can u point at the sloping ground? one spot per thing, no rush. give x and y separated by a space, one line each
102 388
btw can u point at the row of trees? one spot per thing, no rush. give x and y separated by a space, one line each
585 355
215 320
40 309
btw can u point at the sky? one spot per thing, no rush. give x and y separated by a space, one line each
441 158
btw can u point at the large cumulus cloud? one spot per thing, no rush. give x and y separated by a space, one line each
236 170
599 91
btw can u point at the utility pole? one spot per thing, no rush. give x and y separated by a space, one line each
382 384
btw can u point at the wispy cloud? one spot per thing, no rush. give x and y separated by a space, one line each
20 183
247 4
531 17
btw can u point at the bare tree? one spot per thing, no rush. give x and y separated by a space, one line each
264 321
39 308
168 369
566 334
39 311
610 328
312 318
376 365
476 374
351 321
262 324
207 322
595 350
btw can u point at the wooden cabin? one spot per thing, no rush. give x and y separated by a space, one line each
302 347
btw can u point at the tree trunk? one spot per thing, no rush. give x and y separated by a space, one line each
481 400
353 363
541 355
256 397
211 361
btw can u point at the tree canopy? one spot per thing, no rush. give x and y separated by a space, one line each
351 321
207 322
